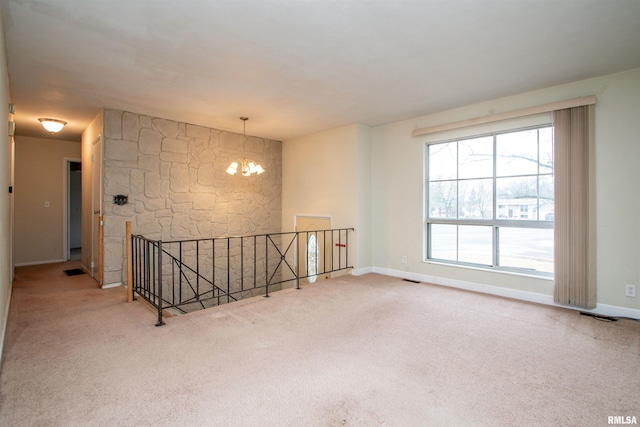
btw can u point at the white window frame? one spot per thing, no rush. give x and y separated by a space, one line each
513 125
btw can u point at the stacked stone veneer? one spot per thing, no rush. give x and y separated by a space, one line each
174 176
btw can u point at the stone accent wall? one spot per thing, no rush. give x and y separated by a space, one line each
174 175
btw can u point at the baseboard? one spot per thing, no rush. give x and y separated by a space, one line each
612 311
5 322
111 285
51 261
361 271
604 309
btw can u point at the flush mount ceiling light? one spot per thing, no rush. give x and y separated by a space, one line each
247 167
52 125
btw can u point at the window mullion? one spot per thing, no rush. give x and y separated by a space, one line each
538 177
457 183
496 240
495 203
457 200
457 243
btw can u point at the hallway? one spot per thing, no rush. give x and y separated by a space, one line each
59 357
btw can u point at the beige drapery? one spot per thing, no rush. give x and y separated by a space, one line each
574 205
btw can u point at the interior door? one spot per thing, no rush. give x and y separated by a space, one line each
96 206
313 245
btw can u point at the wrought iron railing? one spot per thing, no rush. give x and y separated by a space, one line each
187 275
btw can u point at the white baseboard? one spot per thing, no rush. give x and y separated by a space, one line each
612 310
111 285
51 261
5 322
361 271
603 309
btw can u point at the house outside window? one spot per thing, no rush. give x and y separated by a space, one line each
489 201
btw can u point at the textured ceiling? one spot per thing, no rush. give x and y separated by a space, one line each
298 67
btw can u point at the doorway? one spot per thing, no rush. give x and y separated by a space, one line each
312 247
73 206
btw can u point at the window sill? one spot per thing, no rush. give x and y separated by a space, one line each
491 270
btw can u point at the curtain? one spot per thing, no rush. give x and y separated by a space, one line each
574 204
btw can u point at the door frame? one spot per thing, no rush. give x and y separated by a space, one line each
66 227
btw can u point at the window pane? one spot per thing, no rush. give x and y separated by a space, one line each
528 248
517 153
443 196
443 241
312 258
546 198
517 198
546 149
475 158
476 199
442 161
475 244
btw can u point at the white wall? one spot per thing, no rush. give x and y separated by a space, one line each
364 197
327 174
6 251
398 181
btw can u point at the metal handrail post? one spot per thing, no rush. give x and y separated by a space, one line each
297 273
159 258
266 265
228 267
346 248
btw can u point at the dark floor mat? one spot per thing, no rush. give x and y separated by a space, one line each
74 272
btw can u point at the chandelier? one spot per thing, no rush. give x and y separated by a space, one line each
247 167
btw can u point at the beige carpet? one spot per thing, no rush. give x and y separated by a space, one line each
357 351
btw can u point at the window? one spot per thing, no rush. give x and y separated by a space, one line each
312 258
489 200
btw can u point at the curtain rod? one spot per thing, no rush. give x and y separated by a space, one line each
528 111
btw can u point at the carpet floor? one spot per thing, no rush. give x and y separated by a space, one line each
357 351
